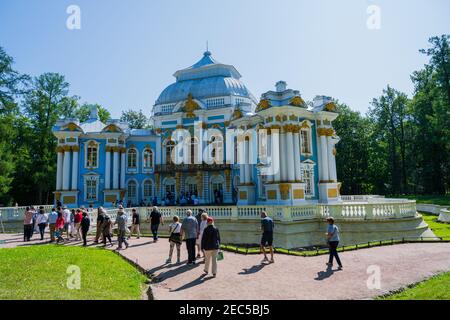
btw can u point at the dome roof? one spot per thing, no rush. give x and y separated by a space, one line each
206 78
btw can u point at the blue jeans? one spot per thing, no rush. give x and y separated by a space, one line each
154 228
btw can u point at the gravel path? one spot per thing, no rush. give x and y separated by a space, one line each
244 277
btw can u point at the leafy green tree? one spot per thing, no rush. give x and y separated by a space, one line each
135 119
83 112
43 106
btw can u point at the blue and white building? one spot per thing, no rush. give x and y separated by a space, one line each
281 150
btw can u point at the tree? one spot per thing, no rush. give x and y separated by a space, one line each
12 84
352 158
43 106
83 112
388 115
135 119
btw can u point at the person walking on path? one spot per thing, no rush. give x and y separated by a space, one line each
199 220
121 222
267 226
155 220
72 223
84 225
333 242
135 224
53 215
59 227
41 221
189 229
210 245
66 216
100 218
27 224
175 239
106 229
77 220
202 225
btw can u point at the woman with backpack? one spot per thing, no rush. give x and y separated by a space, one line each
175 238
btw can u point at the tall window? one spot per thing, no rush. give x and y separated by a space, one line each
308 179
170 145
132 158
92 154
132 191
148 190
305 142
91 188
148 159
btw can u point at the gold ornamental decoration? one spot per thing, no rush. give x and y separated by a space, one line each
284 190
190 106
297 101
325 132
237 114
263 105
200 183
331 106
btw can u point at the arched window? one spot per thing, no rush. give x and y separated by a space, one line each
148 159
132 158
92 154
170 145
132 191
148 190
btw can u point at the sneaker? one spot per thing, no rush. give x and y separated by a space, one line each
214 275
205 272
178 261
265 259
272 261
340 267
329 264
169 260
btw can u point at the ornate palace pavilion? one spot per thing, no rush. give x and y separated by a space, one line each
281 151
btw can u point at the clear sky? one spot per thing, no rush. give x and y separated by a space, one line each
126 52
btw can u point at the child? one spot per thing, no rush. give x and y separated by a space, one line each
175 238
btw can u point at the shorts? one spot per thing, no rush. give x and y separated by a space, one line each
267 239
66 227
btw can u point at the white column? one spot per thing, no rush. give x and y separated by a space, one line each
247 161
290 156
59 170
283 158
122 169
276 155
241 161
108 169
66 171
331 160
116 170
269 176
75 169
324 158
297 160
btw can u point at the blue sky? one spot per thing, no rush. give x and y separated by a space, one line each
127 51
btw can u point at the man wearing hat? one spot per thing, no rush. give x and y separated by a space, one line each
333 242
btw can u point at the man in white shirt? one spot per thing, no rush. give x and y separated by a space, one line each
66 215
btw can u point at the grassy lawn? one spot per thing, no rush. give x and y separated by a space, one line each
435 288
440 229
40 272
428 199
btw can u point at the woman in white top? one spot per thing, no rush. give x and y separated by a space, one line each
41 221
175 238
202 227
